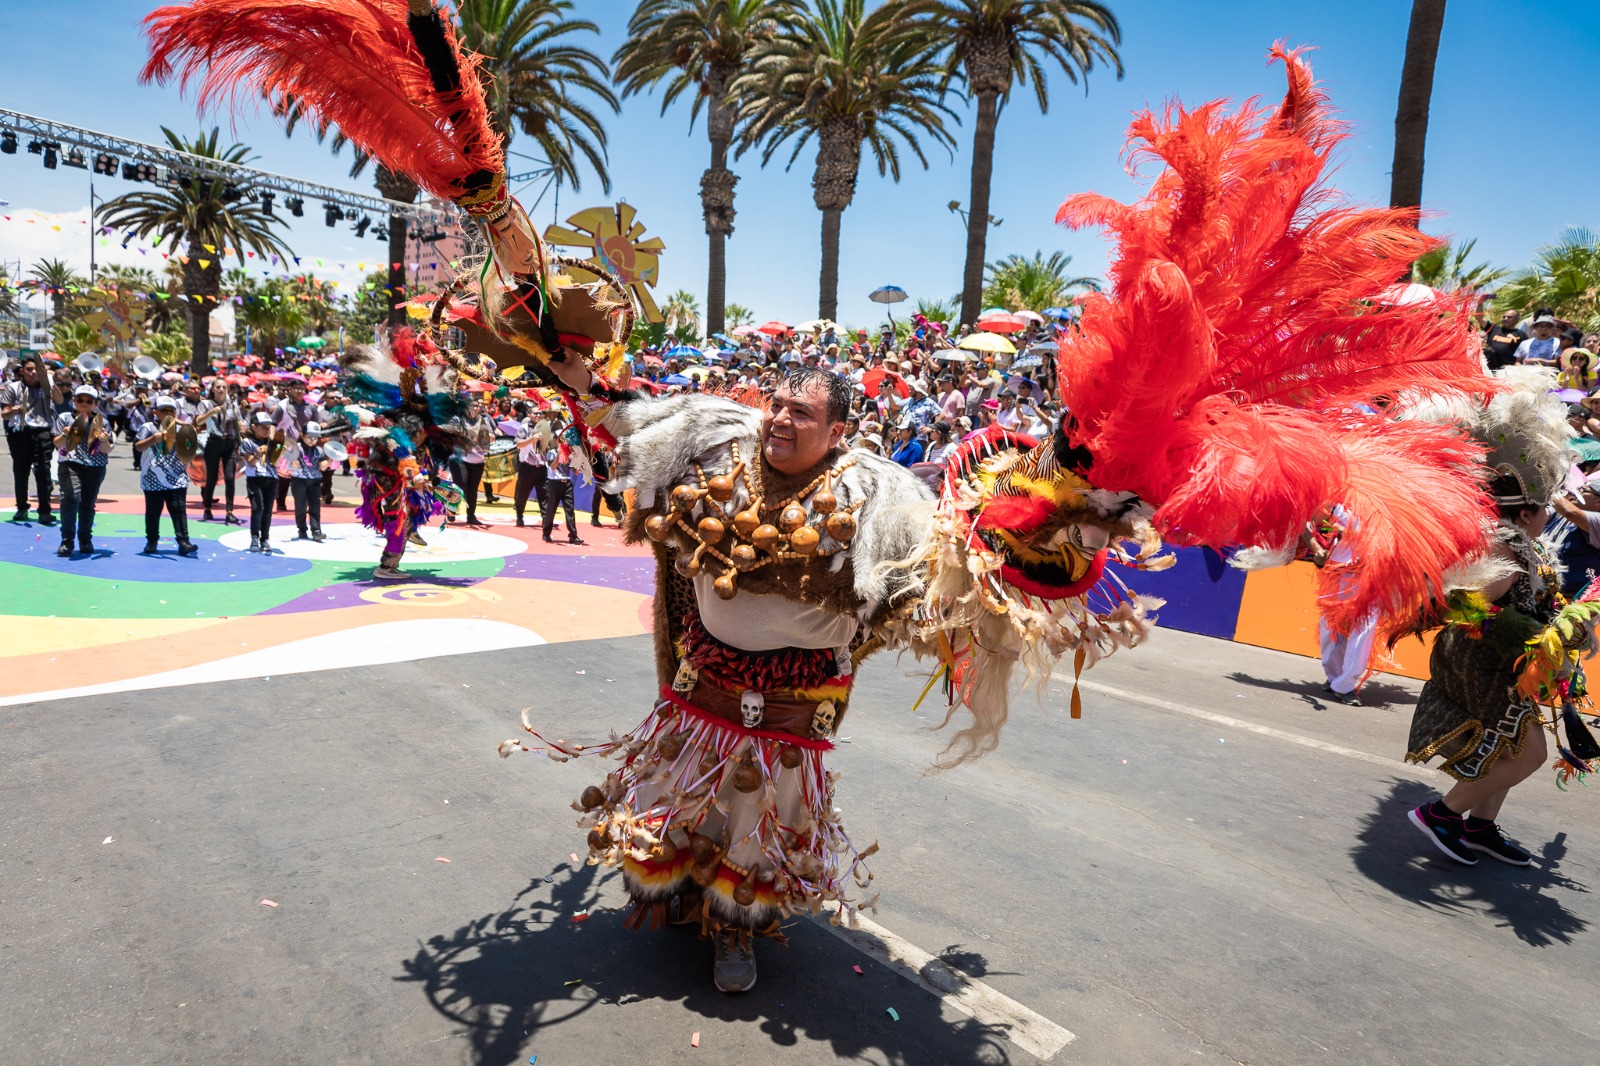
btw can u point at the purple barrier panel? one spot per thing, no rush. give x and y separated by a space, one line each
1202 592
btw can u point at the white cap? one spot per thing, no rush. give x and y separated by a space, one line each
261 418
86 390
166 401
313 430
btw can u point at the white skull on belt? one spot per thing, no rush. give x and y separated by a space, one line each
752 705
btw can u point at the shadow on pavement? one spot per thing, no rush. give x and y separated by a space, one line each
1390 853
362 575
1373 693
505 977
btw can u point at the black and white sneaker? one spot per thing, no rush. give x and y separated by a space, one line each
1445 832
1486 837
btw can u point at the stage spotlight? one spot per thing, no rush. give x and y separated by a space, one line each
49 157
75 158
8 143
105 164
331 215
361 227
35 146
296 206
381 232
266 203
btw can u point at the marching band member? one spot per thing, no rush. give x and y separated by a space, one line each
306 464
259 452
165 476
28 405
83 440
222 416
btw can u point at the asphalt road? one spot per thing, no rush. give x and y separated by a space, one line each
1168 886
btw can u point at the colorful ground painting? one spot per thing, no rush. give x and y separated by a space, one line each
118 620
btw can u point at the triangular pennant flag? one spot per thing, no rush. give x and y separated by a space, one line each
210 248
204 263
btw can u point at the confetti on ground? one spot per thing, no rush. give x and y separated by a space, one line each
1220 740
583 671
894 1015
859 970
694 1041
268 903
107 840
574 856
581 916
1124 762
441 858
575 981
532 1059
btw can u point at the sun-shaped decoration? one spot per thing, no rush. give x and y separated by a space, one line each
611 235
111 312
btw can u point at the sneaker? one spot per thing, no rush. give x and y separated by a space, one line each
1444 831
389 573
416 538
1486 837
733 966
1349 699
255 544
65 551
318 536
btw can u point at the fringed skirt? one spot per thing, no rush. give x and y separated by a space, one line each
720 824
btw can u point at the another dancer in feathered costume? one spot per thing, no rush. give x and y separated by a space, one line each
1219 395
1509 643
406 393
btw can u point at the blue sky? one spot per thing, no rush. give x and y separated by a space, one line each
1512 84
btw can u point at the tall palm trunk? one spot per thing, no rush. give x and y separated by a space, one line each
978 206
1416 90
392 186
206 283
832 189
716 201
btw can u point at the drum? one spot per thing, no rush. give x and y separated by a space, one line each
500 464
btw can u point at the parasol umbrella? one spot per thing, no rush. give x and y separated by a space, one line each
953 355
1026 362
1002 322
171 376
1060 314
1031 316
323 380
652 360
1043 347
699 373
242 380
675 379
304 371
987 342
817 325
310 342
869 382
744 331
887 294
773 328
682 351
284 375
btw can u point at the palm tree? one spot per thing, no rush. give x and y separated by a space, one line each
682 313
734 316
847 78
71 339
698 46
207 217
1416 91
1018 283
168 349
54 277
934 310
990 45
528 74
8 294
1565 277
1445 268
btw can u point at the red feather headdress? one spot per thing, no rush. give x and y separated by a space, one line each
1226 378
354 64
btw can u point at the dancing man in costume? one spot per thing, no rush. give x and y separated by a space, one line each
1509 645
1201 411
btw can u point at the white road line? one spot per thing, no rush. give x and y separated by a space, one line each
1396 765
1027 1029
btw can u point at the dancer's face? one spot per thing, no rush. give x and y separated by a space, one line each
795 433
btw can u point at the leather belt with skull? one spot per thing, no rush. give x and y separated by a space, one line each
774 712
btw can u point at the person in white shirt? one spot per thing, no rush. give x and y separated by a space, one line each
83 440
28 406
530 463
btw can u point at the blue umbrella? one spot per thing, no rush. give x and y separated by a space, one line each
682 351
1057 312
1026 362
674 379
887 294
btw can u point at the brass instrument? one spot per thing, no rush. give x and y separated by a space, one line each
168 432
275 447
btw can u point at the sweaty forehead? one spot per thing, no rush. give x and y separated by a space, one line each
813 396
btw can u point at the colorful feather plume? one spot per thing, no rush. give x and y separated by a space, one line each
354 64
1226 378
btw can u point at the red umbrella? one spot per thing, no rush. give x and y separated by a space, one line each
479 386
238 379
773 329
1003 323
652 360
870 380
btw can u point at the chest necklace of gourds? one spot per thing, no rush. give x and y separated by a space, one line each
755 541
